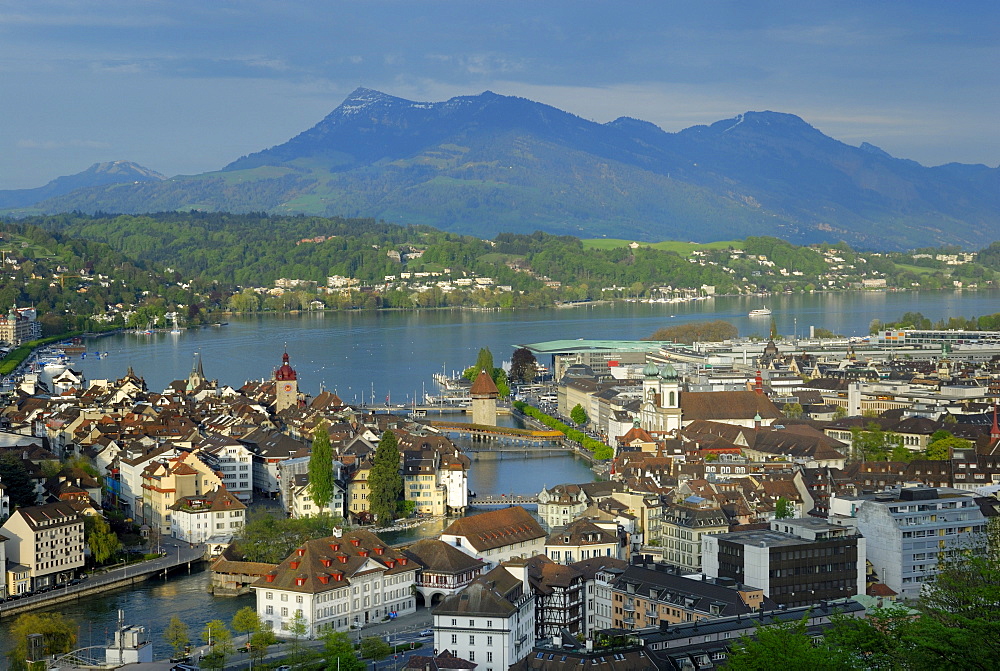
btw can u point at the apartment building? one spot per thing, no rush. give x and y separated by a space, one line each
46 543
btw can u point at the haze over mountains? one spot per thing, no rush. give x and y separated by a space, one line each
489 163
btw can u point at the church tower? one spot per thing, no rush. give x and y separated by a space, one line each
197 377
286 386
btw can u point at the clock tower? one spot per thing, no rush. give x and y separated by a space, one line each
286 386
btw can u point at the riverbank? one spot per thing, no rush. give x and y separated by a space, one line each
176 557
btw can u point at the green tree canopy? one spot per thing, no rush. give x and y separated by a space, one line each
783 509
792 410
578 414
696 331
385 483
177 635
339 652
373 647
268 538
102 541
321 468
58 635
523 366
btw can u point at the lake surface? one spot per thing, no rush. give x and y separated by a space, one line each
366 355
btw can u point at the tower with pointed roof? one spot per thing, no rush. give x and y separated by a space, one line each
197 376
484 395
286 386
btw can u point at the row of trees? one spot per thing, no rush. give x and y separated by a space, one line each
696 332
875 444
600 450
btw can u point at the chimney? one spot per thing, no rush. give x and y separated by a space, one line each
994 430
758 384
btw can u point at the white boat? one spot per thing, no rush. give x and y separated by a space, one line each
761 312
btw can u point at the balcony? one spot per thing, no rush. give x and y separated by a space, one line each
629 608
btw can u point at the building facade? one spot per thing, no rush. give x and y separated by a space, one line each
492 621
47 541
337 583
797 562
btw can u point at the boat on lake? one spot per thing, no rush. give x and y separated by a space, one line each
761 312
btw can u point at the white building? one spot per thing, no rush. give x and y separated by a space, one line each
232 460
492 621
584 539
599 573
217 515
498 535
301 502
906 530
338 583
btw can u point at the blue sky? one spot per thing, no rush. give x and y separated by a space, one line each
186 86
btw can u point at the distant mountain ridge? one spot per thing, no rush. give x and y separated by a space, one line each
99 174
488 163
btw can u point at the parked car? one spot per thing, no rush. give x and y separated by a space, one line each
426 632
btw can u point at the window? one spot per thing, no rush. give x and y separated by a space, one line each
472 655
489 641
284 612
489 656
454 639
472 640
269 609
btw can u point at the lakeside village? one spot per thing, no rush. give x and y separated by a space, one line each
751 483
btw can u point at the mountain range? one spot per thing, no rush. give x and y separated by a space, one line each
488 163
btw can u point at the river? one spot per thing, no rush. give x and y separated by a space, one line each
364 355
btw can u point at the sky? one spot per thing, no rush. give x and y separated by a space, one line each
187 86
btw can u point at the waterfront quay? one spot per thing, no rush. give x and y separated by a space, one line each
175 557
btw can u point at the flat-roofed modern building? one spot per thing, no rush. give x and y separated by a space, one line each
908 529
797 562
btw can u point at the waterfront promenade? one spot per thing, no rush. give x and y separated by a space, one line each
175 556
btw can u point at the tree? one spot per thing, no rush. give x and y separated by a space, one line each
787 645
102 541
792 410
58 635
774 329
484 361
840 412
339 652
299 629
960 624
259 642
373 647
783 509
941 450
321 468
217 635
901 453
385 484
177 635
696 331
16 480
523 366
578 414
269 539
246 620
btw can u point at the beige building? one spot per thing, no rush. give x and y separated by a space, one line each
47 541
168 481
